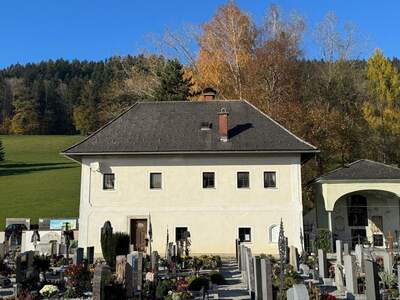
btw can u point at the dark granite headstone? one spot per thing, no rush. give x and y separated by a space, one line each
78 256
101 277
257 278
371 280
90 255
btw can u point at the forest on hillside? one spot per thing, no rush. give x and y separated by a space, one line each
348 107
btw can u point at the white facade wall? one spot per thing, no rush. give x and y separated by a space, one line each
211 215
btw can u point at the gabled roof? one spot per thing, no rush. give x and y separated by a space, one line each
362 169
175 127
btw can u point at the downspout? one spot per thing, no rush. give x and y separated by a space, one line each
90 203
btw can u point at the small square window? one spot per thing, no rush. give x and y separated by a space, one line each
243 180
181 233
208 180
245 234
155 180
108 181
377 240
269 179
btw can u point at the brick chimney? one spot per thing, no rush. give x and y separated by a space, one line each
223 125
209 94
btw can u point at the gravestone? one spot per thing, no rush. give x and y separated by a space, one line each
266 279
339 258
78 256
243 271
2 250
257 278
351 274
90 255
135 261
250 272
53 248
322 264
359 256
346 250
154 261
62 249
24 266
293 259
398 277
297 292
101 277
305 269
120 268
339 282
237 243
371 280
387 262
124 274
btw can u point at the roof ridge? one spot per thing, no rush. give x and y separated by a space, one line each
189 101
281 126
101 128
381 163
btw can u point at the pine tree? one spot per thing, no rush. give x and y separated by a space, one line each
2 152
173 86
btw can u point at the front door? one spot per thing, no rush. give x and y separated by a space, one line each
139 234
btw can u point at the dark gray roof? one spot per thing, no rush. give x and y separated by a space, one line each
363 169
175 127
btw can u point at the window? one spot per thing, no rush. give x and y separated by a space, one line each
273 233
180 233
243 180
155 180
357 211
377 240
269 179
208 180
108 181
245 234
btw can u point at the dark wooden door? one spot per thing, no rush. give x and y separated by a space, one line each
139 234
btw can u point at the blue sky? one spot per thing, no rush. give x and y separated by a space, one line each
35 30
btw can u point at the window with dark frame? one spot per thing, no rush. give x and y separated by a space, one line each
155 180
269 179
180 233
108 181
243 180
357 211
244 234
208 180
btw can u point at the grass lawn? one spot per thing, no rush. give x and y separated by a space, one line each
35 180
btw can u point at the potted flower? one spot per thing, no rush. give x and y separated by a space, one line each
49 290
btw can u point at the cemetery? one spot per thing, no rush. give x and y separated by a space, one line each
60 269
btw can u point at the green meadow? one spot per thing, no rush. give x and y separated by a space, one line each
35 180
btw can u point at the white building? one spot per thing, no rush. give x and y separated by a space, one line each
220 169
358 202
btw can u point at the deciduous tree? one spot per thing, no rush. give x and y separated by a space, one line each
382 111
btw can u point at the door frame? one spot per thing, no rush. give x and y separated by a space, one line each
138 217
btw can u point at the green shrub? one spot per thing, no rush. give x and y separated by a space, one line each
217 278
197 283
121 242
162 288
323 240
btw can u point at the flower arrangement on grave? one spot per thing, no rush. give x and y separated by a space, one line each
185 295
49 290
78 279
390 282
